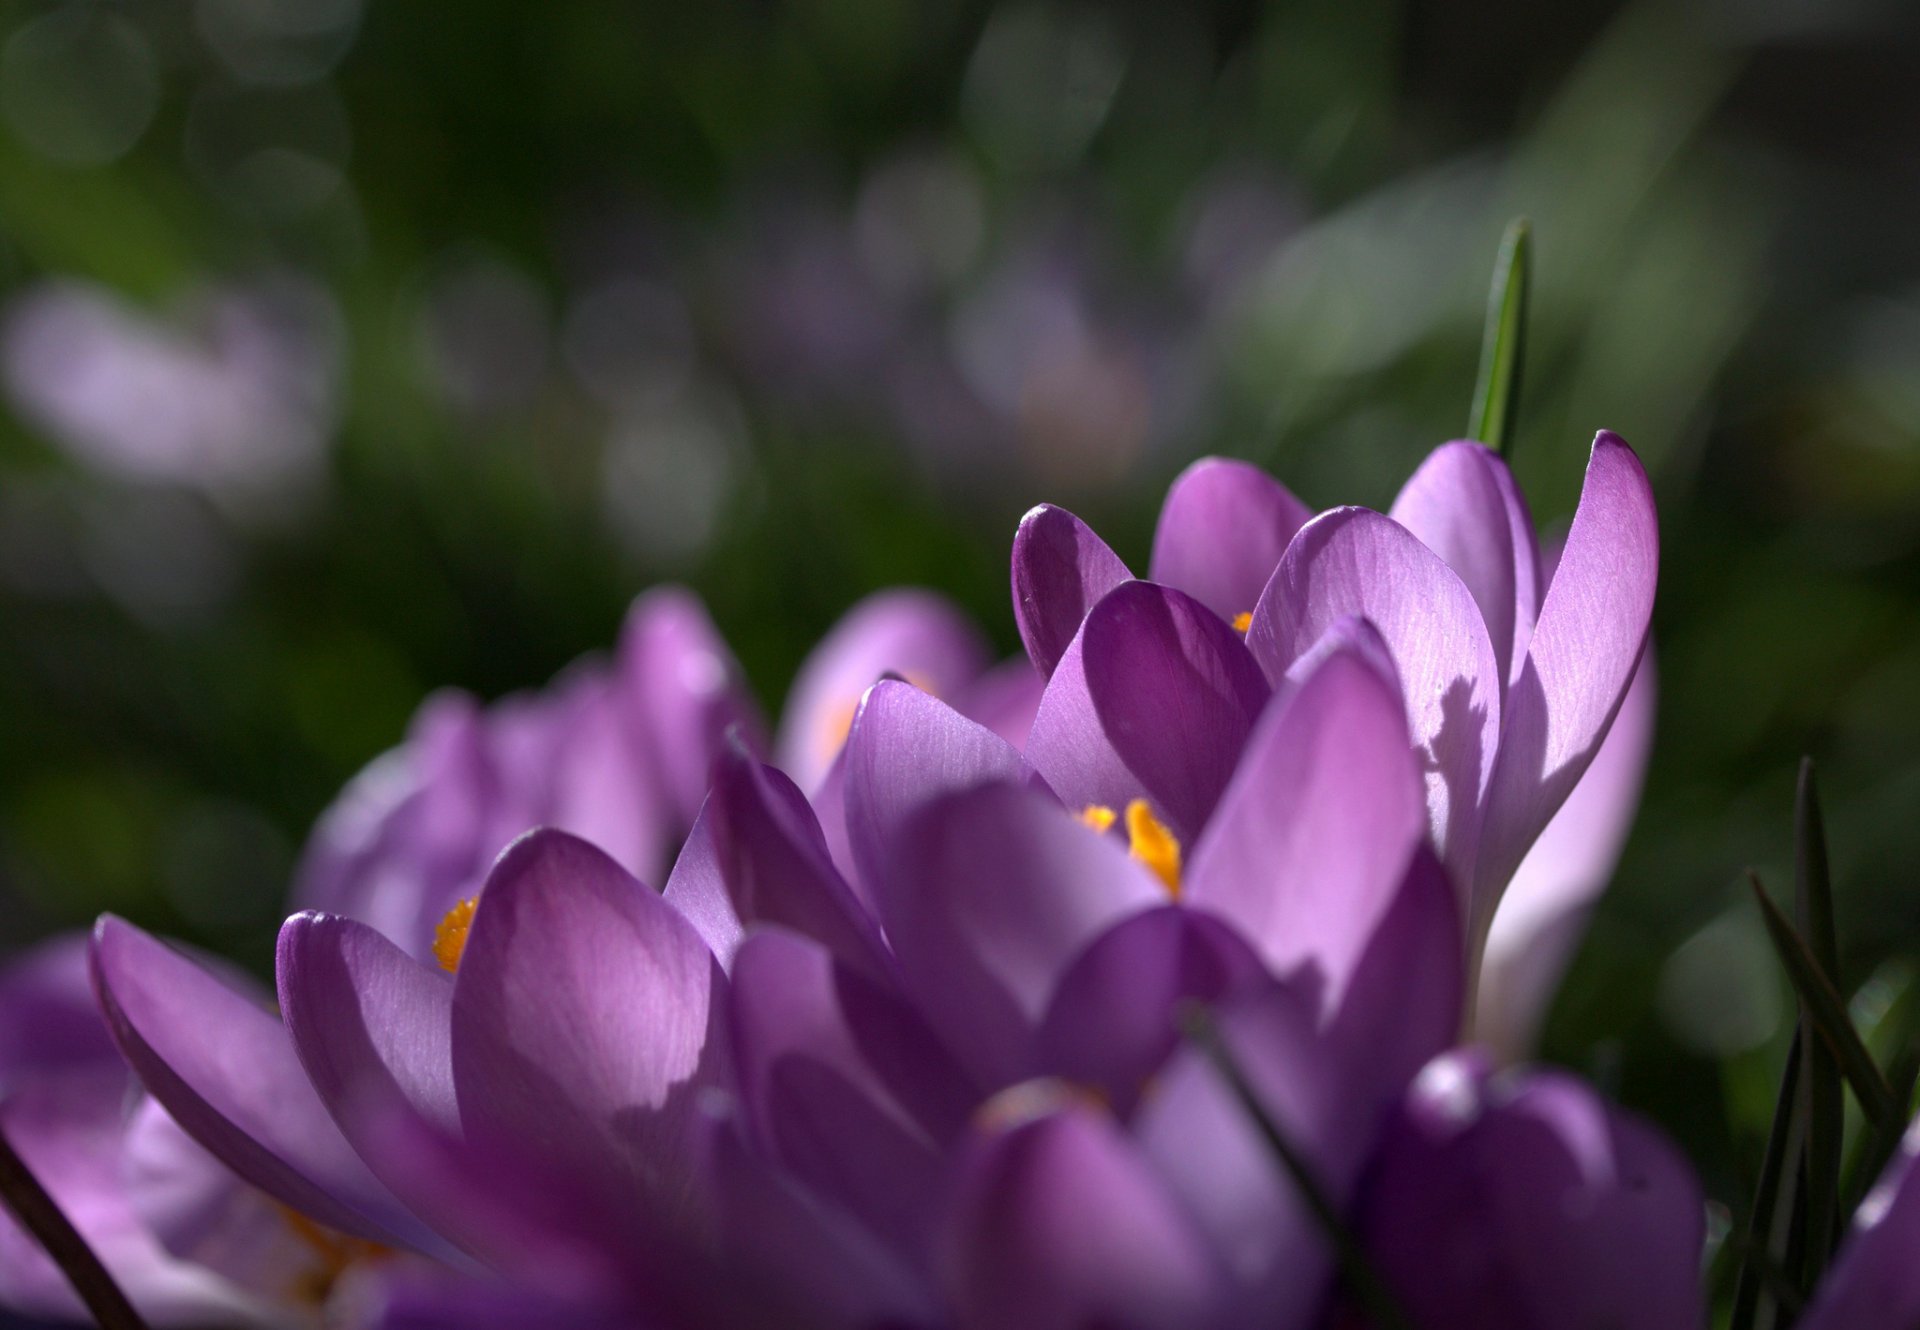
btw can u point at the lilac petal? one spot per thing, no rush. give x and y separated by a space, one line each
697 890
1114 1017
684 692
1155 697
49 1021
846 1085
905 751
1060 571
1352 561
1210 1151
1593 625
1543 914
1874 1284
1058 1223
67 1128
1463 505
829 800
587 1017
431 1299
993 891
1529 1203
915 634
601 784
1309 846
1222 530
1004 699
224 1067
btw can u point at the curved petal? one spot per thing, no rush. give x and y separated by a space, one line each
1061 569
906 750
991 894
920 636
1540 919
587 1017
1463 505
1593 626
1352 561
1114 1017
1528 1203
846 1085
1311 841
684 693
1059 1225
224 1067
1155 696
1004 699
1874 1284
1222 530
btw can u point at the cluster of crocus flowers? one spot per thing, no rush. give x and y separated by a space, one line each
905 1036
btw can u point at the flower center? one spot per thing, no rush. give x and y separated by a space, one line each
1148 840
450 938
334 1254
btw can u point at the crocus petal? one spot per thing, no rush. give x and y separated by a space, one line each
1061 569
1154 697
1463 504
1114 1017
1205 1144
1311 841
223 1066
1004 699
1593 625
1352 561
685 693
846 1085
1222 530
1874 1284
1528 1203
567 958
67 1128
906 750
48 1019
915 634
1060 1225
1544 912
993 891
600 783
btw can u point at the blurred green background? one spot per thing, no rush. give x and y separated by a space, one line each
353 348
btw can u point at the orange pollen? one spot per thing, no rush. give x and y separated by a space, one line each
1152 844
1098 816
450 938
1243 621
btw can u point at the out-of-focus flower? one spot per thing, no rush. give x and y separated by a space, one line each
187 1240
1873 1283
236 398
1512 677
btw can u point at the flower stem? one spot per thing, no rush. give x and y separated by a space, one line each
42 1217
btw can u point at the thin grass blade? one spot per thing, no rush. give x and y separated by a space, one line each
1773 1199
1496 394
1821 1085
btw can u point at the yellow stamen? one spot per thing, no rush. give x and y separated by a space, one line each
334 1253
450 938
1153 845
1098 816
1243 621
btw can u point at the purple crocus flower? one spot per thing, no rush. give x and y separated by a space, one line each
1513 670
932 1079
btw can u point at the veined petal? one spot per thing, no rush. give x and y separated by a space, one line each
1155 697
1592 628
918 635
1542 916
993 891
587 1017
1352 561
906 750
1313 838
1004 699
1463 505
1529 1204
1222 530
1061 569
223 1066
1060 1225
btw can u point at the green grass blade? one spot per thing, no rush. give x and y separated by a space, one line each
1880 1140
1821 1086
1357 1274
1496 396
1773 1200
1826 1012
